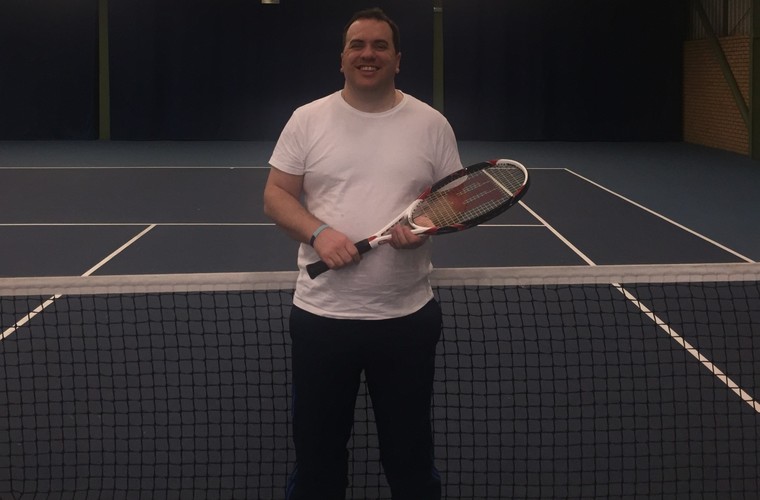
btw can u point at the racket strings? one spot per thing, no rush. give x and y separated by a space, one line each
510 178
437 212
466 199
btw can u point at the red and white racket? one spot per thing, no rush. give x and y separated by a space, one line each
459 201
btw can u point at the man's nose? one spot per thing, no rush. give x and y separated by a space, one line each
367 52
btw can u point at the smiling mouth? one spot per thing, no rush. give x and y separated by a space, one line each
368 68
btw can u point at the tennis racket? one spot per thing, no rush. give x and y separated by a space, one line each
459 201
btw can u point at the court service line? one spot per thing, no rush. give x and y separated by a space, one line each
50 301
690 349
199 224
559 235
140 224
138 167
513 225
666 219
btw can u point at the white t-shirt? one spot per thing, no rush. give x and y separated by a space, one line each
359 171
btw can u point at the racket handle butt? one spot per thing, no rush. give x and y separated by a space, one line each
316 268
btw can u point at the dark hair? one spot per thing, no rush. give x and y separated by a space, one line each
378 14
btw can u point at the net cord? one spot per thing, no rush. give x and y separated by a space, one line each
55 287
284 280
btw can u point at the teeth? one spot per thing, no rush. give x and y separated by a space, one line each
367 68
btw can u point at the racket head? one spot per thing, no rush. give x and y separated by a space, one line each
470 196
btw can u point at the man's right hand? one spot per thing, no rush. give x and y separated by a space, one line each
335 249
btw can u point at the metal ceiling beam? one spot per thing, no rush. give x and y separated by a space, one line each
754 83
104 78
438 55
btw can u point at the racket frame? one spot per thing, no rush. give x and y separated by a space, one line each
405 217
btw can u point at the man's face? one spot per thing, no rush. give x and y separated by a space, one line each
369 60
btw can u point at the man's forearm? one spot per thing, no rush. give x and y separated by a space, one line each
288 213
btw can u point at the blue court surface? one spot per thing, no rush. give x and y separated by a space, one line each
137 208
542 390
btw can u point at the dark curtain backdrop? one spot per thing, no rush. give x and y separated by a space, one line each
235 69
590 70
48 72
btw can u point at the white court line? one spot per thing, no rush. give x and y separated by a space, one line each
666 219
722 377
717 372
47 303
141 224
513 225
559 235
164 224
140 167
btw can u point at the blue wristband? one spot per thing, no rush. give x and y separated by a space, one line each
316 233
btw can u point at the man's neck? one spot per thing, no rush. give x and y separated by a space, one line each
372 102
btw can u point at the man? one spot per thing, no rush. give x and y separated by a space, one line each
343 167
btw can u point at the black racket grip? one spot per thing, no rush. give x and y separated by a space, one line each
316 268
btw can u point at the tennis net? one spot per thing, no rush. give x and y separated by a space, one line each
562 382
